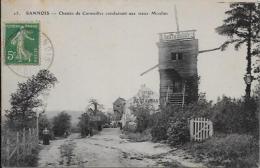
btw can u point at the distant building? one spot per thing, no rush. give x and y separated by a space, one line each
118 107
144 94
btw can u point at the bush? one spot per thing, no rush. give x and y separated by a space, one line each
61 123
130 126
172 122
159 130
234 150
235 116
84 124
178 132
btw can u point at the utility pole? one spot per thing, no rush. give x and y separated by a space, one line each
37 127
176 18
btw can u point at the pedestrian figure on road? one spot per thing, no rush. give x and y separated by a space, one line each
66 134
46 136
120 125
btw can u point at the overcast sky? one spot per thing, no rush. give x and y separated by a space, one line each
102 56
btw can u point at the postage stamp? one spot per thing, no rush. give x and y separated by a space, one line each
22 41
46 57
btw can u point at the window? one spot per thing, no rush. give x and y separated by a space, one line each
180 56
173 56
176 56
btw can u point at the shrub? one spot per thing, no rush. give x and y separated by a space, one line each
84 124
178 132
234 150
235 116
159 130
172 122
61 123
130 126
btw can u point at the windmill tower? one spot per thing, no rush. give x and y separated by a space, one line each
178 53
178 66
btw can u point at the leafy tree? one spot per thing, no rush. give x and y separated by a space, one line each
142 108
235 115
242 26
97 106
61 123
84 124
27 98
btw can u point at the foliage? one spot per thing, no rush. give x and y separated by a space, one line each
235 116
26 99
97 106
103 117
178 132
84 124
192 88
159 130
172 123
142 109
130 126
242 26
61 123
233 150
32 159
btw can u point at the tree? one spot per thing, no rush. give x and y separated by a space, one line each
142 108
61 123
242 26
84 124
96 104
26 100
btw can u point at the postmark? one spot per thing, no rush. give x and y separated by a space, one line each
46 59
22 42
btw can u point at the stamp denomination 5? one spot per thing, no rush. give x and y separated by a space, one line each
22 41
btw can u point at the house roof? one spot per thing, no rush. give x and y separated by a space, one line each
119 100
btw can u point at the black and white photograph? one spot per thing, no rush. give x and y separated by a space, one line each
130 83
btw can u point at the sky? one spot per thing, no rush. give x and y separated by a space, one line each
102 57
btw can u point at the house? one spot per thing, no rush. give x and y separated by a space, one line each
144 95
118 107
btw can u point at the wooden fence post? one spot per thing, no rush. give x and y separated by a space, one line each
17 150
191 129
30 141
7 151
34 137
23 143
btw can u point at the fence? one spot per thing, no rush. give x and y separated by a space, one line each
200 129
15 146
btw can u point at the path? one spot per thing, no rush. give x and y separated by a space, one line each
107 149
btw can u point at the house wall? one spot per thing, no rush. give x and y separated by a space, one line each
149 95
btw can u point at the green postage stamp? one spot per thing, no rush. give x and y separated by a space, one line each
22 43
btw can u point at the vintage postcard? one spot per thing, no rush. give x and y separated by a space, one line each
120 83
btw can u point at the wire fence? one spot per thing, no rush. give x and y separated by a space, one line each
16 146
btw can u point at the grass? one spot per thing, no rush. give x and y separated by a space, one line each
172 164
232 151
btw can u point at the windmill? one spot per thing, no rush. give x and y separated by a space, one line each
177 65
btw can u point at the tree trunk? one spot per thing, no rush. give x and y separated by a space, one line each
249 68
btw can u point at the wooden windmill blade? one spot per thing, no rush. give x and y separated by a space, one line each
202 51
149 70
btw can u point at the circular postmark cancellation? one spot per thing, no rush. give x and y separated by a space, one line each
44 61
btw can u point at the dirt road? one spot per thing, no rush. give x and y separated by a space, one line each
107 149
